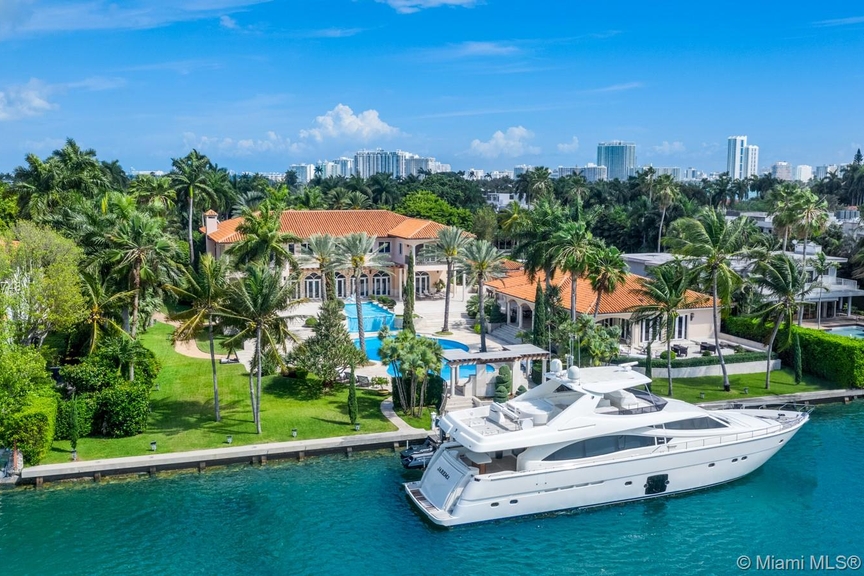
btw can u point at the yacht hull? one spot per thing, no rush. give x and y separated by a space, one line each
479 498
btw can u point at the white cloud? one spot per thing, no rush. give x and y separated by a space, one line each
272 142
341 122
841 21
512 143
94 84
43 145
614 88
571 146
332 33
411 6
24 100
228 22
475 49
667 148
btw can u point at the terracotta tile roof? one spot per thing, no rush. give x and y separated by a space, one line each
210 212
625 297
305 223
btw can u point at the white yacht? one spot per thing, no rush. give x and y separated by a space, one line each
588 437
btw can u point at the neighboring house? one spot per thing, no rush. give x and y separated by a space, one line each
396 235
835 296
515 294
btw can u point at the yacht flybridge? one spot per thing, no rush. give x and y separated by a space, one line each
587 437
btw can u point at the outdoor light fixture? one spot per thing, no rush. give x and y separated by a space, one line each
357 427
229 439
702 395
746 390
293 432
74 455
153 446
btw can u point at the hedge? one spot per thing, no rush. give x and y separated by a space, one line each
86 410
697 360
838 359
32 429
123 410
434 391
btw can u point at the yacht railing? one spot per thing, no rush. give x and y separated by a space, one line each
731 438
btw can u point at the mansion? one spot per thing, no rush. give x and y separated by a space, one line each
396 235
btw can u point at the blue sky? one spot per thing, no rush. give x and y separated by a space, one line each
258 85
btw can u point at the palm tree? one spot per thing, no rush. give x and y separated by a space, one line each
606 270
253 304
140 250
571 249
781 281
358 254
533 238
709 243
821 266
263 240
154 192
482 262
383 189
205 291
667 193
102 308
449 247
189 178
666 293
321 250
784 209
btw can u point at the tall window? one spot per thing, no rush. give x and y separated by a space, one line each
648 330
681 324
340 285
381 284
384 246
312 285
421 282
364 285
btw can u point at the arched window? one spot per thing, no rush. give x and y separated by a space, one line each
312 286
421 283
381 284
340 285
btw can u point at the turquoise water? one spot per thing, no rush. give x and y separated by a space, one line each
374 317
337 516
851 331
373 352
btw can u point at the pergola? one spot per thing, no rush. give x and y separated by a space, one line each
514 354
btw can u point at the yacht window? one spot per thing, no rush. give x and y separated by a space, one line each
599 446
702 423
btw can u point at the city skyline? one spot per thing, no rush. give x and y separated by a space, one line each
246 84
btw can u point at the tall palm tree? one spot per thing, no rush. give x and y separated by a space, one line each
254 304
205 291
103 307
571 249
482 262
358 254
667 193
383 188
666 293
533 238
784 209
606 270
153 192
449 246
263 239
189 178
781 281
821 266
140 250
709 244
321 251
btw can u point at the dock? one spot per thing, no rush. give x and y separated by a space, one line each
816 397
201 459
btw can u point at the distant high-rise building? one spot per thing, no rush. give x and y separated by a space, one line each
521 169
751 161
398 163
692 174
594 173
475 174
563 171
618 157
501 174
675 172
782 171
803 173
735 156
823 171
305 172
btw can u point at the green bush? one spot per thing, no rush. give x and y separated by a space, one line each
32 429
385 301
709 354
123 410
710 360
477 328
85 412
90 376
521 390
379 381
838 359
434 391
663 355
311 322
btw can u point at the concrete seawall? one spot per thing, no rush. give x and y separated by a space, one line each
200 459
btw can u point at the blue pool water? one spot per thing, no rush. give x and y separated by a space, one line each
340 516
851 331
374 317
373 351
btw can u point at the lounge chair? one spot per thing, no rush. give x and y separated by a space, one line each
363 381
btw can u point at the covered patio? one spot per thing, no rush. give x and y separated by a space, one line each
512 355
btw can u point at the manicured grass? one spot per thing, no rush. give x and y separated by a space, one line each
423 421
182 410
202 340
782 382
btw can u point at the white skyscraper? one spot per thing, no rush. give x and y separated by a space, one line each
742 161
305 172
782 171
593 173
803 173
823 171
618 157
751 161
521 169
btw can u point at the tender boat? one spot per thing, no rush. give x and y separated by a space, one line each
588 437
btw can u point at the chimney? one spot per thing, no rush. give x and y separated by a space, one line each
211 222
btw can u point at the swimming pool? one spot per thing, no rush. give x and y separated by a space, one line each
374 317
373 351
850 331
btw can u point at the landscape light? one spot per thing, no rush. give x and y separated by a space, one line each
294 432
153 446
357 427
229 439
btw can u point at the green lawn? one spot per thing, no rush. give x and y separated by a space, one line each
782 382
182 417
203 343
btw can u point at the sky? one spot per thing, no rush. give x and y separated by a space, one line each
258 85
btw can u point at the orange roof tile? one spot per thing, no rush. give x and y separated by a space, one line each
210 212
305 223
623 300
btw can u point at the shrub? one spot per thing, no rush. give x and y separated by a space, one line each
32 428
663 355
839 359
311 322
503 384
90 377
385 301
434 391
85 412
123 410
521 390
477 328
379 381
709 360
708 354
